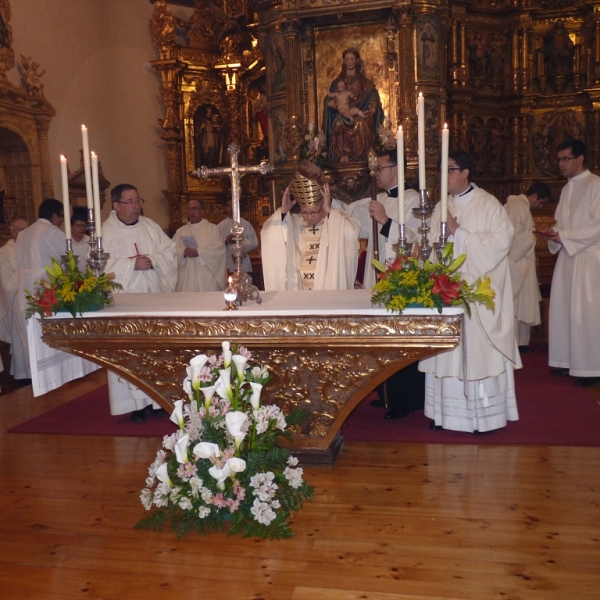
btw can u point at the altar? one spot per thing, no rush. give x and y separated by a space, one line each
326 349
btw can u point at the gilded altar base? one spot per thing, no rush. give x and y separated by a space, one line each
325 359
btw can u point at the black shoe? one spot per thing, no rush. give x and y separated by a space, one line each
525 350
138 416
23 381
396 413
379 403
435 427
587 381
159 412
559 372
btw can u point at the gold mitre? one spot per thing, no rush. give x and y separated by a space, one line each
306 185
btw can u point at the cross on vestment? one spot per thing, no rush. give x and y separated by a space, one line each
241 281
311 260
314 230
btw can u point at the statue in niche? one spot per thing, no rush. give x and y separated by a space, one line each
558 50
496 57
477 57
259 109
278 62
209 137
352 113
428 47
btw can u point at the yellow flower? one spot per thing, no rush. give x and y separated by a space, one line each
484 288
67 293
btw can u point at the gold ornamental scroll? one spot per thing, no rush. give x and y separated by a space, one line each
327 349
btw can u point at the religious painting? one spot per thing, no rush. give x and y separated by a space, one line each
276 57
209 137
352 89
427 48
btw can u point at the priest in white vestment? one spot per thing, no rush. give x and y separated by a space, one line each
10 332
80 241
471 387
315 249
521 259
35 248
201 253
385 212
574 326
143 259
249 240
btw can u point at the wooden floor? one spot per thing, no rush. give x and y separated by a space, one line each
389 521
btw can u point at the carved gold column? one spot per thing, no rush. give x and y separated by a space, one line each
406 88
462 31
597 46
454 45
515 60
525 60
294 78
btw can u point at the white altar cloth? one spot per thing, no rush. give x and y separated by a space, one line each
275 303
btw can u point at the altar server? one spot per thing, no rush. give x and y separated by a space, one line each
471 388
315 249
201 253
521 259
385 211
143 259
574 330
80 241
249 240
9 310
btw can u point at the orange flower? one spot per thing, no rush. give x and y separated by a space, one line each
448 290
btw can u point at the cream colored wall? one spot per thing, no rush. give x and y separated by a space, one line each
96 53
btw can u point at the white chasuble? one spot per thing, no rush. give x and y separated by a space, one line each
359 210
205 272
249 242
471 387
124 243
523 275
50 368
10 331
282 252
309 249
574 340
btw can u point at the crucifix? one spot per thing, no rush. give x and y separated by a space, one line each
240 281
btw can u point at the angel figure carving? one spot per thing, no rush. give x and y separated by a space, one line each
30 76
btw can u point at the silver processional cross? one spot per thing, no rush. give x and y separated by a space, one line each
240 281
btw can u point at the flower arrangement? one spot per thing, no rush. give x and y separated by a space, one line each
224 463
432 285
67 289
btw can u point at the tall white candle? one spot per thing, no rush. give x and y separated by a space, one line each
96 188
86 167
400 162
65 190
421 140
444 174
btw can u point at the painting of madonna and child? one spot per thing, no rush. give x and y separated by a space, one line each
351 96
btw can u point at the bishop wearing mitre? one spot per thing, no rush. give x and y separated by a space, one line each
307 244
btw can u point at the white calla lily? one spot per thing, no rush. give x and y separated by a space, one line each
181 449
208 392
196 365
237 465
240 364
237 425
256 390
162 474
223 386
226 354
177 414
206 450
220 474
187 388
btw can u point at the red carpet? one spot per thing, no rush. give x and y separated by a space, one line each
553 411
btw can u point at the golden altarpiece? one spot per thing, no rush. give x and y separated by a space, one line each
512 78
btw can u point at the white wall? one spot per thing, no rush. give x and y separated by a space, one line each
96 55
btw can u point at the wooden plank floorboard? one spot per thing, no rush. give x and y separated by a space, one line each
402 521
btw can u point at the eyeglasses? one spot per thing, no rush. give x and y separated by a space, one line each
137 202
378 169
566 159
450 169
